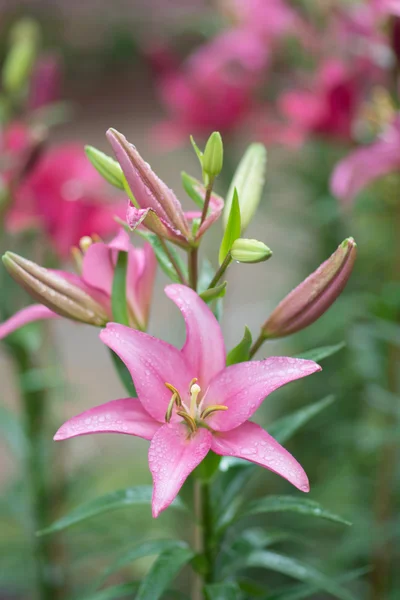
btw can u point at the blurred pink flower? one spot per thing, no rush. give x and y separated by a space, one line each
272 19
95 281
45 83
368 163
64 194
189 402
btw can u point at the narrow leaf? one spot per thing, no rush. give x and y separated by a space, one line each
222 591
12 432
318 354
162 256
106 166
215 292
163 572
118 296
191 185
116 592
124 375
232 230
294 504
135 496
240 353
284 428
197 150
298 570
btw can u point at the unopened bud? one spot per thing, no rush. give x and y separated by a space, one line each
248 180
21 57
309 300
213 156
250 251
55 292
106 166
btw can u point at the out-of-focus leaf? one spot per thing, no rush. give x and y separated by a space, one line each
301 506
12 432
318 354
214 293
240 353
116 592
162 257
222 591
233 228
118 296
298 570
134 496
35 380
163 572
139 551
284 428
191 185
124 375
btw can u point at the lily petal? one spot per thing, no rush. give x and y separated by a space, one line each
251 442
204 348
243 387
152 363
173 455
216 207
118 416
98 268
35 312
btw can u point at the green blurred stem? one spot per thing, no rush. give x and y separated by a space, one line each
34 404
257 344
177 268
203 536
193 267
225 264
206 201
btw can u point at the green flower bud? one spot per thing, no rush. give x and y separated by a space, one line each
213 156
248 180
21 57
250 251
106 166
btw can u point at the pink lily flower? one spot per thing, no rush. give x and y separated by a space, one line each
92 301
366 164
189 403
156 206
67 197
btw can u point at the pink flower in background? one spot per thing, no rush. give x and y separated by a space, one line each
368 163
67 197
189 402
45 83
272 20
92 302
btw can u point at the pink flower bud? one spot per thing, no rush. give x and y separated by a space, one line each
309 300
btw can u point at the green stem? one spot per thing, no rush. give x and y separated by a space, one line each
257 344
206 201
173 262
225 264
203 536
34 405
193 268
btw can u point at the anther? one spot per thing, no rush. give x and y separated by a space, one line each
212 409
190 422
173 389
170 408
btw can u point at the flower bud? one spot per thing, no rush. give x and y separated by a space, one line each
21 56
250 251
248 180
57 293
309 300
106 166
213 156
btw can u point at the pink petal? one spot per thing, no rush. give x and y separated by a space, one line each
118 416
152 363
98 268
173 455
243 387
251 442
142 268
204 348
215 210
36 312
150 219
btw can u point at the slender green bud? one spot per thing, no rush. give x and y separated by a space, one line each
54 291
248 180
21 56
213 156
250 251
106 166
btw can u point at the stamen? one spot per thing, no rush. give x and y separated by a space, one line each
85 242
170 408
173 389
77 259
195 390
188 419
212 409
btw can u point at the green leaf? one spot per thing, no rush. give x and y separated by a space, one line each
116 592
222 591
232 230
163 572
191 185
118 296
106 166
197 150
298 570
215 292
135 496
240 353
162 256
320 353
124 375
12 432
284 428
139 551
294 504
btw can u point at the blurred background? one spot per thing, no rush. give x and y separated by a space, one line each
317 83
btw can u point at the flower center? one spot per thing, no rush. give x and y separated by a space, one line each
192 411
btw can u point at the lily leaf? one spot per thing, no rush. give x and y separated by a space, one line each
222 591
134 496
240 353
214 293
318 354
118 296
116 592
284 428
191 185
233 228
162 256
163 572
